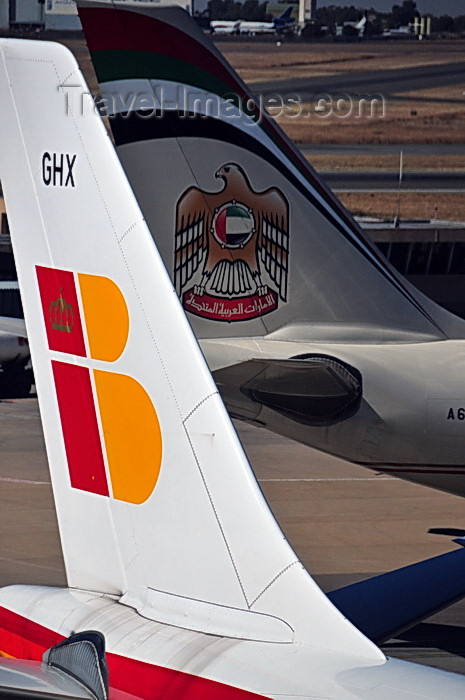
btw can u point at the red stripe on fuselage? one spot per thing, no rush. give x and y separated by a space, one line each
22 638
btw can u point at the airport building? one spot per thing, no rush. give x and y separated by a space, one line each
4 15
58 15
32 14
430 255
307 11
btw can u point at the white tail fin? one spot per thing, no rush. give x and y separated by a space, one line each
156 501
255 242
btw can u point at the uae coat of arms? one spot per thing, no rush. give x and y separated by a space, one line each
224 243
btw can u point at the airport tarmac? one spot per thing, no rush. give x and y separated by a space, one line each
388 181
388 82
383 149
346 523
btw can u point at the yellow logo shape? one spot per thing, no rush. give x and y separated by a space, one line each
130 427
132 436
106 316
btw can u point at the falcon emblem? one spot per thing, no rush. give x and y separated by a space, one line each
235 245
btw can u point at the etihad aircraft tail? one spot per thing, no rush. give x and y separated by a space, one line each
255 243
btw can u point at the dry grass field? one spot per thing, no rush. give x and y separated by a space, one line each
388 162
425 116
413 205
434 116
267 61
416 118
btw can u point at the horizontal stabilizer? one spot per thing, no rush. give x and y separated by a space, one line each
400 599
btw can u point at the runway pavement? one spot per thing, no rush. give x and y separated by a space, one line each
346 523
388 181
383 149
389 82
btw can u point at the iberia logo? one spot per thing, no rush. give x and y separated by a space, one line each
111 431
227 241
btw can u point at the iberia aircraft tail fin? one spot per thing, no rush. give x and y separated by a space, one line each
156 501
255 243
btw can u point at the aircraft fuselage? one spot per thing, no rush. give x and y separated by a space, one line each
410 421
